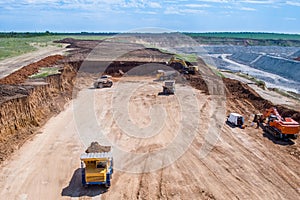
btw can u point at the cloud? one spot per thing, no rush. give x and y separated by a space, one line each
84 4
172 10
178 7
293 3
175 10
197 5
259 2
290 19
154 5
192 11
146 12
140 4
248 9
215 1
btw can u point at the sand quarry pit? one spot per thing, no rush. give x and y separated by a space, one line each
240 164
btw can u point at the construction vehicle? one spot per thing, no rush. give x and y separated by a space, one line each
97 166
162 75
103 81
182 66
276 125
169 87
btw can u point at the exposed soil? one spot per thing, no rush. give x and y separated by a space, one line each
241 91
80 44
11 92
236 90
267 93
95 147
243 164
9 65
26 105
21 75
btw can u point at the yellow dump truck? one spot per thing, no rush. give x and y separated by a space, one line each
162 75
169 87
97 167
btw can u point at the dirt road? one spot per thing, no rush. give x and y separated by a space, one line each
242 165
10 65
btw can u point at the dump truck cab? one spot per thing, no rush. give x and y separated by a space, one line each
96 168
169 87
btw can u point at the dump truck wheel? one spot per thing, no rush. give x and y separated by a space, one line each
295 136
100 85
107 185
165 91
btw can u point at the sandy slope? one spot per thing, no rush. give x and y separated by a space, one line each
272 96
242 165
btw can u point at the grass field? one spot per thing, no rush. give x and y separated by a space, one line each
247 38
44 72
11 46
14 46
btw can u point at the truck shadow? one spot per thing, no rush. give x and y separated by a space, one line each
104 88
162 94
230 124
278 141
75 188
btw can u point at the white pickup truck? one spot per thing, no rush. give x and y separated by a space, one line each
103 81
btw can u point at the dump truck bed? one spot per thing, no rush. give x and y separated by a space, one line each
95 156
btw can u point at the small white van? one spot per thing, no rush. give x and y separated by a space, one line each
235 119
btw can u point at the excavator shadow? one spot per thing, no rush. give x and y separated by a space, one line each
75 188
277 140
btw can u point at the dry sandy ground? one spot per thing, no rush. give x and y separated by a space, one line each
10 65
272 96
157 135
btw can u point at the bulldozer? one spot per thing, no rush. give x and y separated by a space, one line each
273 123
182 66
103 81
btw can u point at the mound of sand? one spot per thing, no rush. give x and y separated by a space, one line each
95 147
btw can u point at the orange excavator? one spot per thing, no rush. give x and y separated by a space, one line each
278 126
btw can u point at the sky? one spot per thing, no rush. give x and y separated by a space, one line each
129 15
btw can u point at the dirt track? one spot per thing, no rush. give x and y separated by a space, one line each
244 164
